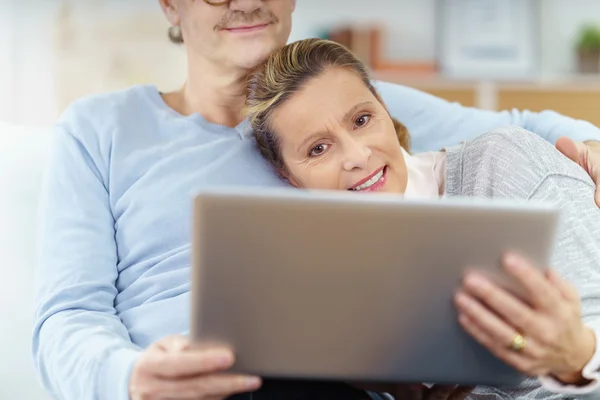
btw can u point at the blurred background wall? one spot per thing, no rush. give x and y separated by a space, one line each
54 51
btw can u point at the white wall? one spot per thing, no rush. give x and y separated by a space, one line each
7 58
561 22
27 61
23 152
123 42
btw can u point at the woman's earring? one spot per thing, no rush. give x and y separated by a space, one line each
175 34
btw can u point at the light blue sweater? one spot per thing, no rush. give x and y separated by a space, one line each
114 239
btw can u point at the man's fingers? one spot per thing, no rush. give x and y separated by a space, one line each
587 155
568 147
173 343
216 386
187 364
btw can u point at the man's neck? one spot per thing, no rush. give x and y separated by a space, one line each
217 95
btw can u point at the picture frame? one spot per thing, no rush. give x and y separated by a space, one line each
488 39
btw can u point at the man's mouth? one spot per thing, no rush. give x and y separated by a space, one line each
247 28
371 183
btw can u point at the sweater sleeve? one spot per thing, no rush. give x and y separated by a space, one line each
81 349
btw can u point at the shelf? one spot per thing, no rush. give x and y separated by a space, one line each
575 96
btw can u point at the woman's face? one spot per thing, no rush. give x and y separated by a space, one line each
335 134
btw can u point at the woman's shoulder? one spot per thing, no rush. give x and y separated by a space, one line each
509 161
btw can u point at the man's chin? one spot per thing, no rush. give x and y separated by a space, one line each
253 56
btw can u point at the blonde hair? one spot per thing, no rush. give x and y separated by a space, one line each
284 73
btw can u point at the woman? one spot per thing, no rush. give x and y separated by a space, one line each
343 138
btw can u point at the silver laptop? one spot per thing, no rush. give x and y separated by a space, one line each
348 286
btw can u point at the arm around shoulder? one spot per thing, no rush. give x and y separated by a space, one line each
435 123
81 348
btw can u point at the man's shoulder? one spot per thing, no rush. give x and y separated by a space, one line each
391 92
100 110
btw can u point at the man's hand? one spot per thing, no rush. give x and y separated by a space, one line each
586 154
171 369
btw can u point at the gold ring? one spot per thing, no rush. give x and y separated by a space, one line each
518 343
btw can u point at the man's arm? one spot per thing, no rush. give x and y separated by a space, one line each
81 348
435 123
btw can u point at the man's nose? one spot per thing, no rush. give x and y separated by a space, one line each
356 155
246 6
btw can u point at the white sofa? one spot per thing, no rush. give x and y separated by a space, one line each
23 152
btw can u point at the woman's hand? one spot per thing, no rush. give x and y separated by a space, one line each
171 369
586 154
546 337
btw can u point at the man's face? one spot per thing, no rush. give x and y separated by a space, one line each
240 34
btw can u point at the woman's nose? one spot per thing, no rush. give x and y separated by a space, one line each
356 155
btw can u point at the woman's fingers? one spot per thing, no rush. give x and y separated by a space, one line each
500 301
552 337
523 360
539 290
486 327
567 290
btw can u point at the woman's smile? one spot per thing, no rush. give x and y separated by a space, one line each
372 183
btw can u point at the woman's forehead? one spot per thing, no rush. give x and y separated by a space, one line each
330 95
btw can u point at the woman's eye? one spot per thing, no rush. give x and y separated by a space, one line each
318 150
362 121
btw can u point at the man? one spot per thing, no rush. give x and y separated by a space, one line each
113 278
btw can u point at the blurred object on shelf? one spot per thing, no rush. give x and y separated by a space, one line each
588 49
488 39
367 43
